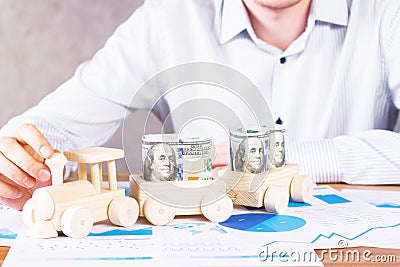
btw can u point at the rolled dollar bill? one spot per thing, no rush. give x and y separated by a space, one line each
167 157
257 149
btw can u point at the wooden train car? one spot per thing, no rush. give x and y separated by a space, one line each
271 189
161 201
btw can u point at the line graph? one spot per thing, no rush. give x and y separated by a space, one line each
333 234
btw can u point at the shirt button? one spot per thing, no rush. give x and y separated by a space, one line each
282 60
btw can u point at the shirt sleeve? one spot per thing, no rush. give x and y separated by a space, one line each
88 108
372 157
390 36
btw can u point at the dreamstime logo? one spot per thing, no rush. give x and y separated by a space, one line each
208 96
355 255
341 254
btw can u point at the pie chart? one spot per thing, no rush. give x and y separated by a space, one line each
262 222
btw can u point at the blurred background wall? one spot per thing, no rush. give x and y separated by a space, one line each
43 41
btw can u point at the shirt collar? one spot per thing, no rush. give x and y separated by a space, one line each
330 11
234 18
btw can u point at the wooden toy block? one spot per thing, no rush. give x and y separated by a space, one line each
82 172
74 207
94 154
161 201
272 189
43 229
56 163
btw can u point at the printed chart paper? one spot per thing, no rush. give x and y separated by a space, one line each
250 237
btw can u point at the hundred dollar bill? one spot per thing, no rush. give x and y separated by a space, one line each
168 157
256 150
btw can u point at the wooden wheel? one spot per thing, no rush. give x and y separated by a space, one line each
276 198
43 204
28 215
76 222
43 229
301 188
123 211
216 210
38 228
158 213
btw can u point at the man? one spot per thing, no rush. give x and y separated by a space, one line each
250 156
329 69
160 164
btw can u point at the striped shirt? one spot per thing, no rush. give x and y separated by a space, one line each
336 87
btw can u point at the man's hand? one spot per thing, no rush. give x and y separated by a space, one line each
22 167
221 159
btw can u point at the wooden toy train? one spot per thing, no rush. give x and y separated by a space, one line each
73 207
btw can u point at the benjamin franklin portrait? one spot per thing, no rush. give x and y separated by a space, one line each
250 155
160 164
276 150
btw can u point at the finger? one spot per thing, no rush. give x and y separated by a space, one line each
30 135
14 173
33 153
221 158
219 171
15 153
9 191
17 204
39 184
